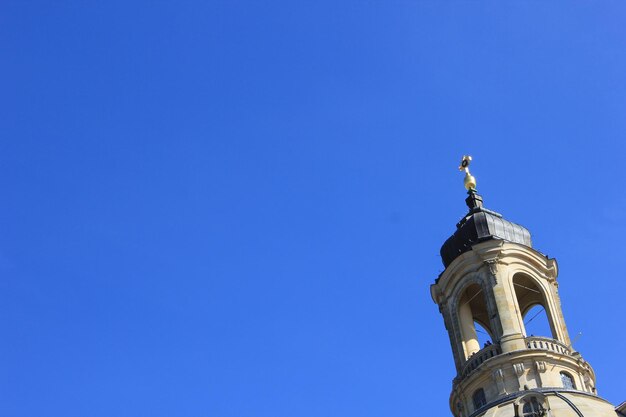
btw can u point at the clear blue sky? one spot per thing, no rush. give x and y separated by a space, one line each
235 209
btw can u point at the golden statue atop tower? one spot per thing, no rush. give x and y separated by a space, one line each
469 181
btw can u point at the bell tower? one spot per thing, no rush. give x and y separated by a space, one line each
493 277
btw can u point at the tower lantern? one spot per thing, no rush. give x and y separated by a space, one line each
492 279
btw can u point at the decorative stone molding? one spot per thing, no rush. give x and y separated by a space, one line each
492 264
552 270
519 369
498 377
590 385
491 259
541 366
437 295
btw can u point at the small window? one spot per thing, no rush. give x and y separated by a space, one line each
567 381
479 398
532 408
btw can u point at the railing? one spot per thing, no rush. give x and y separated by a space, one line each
532 342
545 343
479 357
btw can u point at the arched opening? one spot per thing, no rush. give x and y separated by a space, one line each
532 408
474 320
532 307
532 405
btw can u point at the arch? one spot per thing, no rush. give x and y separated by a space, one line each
460 317
533 404
532 408
529 294
472 308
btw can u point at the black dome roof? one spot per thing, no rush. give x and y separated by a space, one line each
478 225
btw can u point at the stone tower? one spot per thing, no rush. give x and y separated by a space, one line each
493 277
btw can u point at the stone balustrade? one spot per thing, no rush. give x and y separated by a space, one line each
532 342
479 357
545 343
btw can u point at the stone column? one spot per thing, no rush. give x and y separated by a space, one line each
470 340
512 335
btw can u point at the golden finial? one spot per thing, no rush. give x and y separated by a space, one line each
469 181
